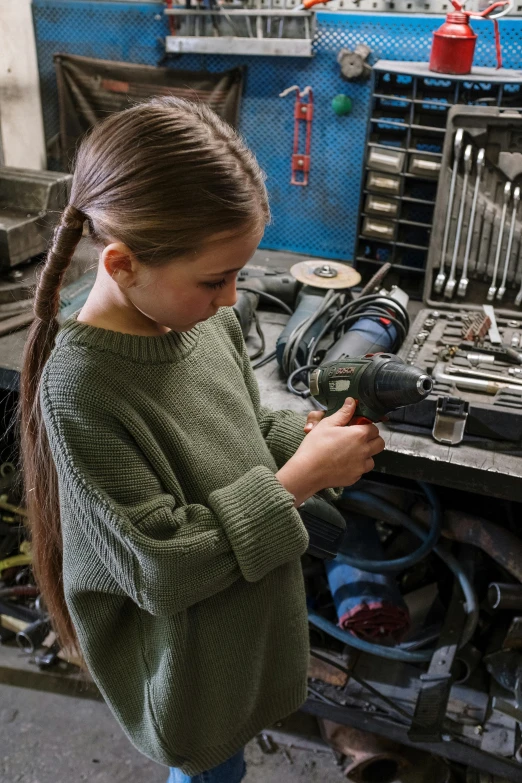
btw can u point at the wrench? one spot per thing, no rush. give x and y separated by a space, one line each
492 290
463 282
452 282
516 201
457 146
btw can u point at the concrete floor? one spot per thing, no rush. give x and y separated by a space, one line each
49 738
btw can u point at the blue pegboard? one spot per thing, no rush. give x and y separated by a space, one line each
320 219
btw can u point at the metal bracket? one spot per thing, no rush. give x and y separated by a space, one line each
450 420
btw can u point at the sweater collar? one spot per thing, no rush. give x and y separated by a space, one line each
169 347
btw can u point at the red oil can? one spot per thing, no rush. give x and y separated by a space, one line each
453 45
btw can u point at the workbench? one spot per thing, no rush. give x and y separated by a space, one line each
462 467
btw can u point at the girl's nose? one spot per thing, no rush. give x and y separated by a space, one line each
227 296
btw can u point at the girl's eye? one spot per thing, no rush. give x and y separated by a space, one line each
219 284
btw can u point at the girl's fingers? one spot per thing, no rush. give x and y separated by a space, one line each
313 418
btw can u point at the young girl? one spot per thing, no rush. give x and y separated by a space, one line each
166 539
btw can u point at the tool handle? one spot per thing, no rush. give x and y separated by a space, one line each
360 420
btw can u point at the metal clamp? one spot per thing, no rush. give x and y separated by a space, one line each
450 420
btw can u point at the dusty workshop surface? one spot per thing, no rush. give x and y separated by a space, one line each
48 738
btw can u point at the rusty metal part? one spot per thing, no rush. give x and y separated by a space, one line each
504 547
321 670
368 757
513 639
505 596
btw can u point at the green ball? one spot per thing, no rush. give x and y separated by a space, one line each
342 105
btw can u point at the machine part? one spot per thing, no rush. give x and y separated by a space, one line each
325 525
319 274
30 203
516 371
515 339
457 146
33 635
263 280
421 337
492 290
449 425
451 282
513 638
464 281
479 358
380 384
516 201
486 375
373 566
245 309
49 658
379 229
303 112
432 701
501 352
381 206
475 326
466 661
354 64
389 160
368 603
505 596
424 167
310 316
494 334
497 542
364 503
374 323
505 666
388 185
472 384
367 757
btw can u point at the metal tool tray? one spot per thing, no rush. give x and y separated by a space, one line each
451 413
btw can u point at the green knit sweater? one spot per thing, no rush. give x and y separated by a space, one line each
181 548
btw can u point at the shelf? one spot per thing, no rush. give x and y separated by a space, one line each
401 267
409 199
401 221
392 242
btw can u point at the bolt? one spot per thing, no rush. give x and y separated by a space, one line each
15 274
479 730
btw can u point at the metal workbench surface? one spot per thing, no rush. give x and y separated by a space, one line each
410 456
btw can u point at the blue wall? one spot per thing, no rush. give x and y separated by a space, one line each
320 219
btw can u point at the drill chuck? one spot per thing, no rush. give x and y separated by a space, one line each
380 384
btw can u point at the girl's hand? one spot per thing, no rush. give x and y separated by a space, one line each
331 455
313 418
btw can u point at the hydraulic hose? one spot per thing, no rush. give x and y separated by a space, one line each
374 506
401 563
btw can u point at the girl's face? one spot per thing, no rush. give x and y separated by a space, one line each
190 289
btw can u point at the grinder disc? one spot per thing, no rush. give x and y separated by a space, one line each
319 273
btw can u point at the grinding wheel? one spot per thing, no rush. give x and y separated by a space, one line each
325 274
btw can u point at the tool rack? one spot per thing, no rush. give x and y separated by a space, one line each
470 338
407 125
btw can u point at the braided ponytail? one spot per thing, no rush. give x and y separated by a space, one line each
40 480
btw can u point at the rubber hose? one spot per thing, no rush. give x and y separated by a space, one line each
382 508
401 563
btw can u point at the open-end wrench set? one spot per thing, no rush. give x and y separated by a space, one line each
470 338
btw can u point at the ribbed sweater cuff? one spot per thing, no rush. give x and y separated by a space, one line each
262 525
286 436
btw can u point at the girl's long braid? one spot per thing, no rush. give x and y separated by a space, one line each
37 462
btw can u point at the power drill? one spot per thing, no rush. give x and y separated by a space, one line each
380 384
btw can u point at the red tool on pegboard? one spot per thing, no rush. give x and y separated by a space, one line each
303 112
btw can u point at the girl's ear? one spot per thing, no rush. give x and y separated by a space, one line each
120 264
